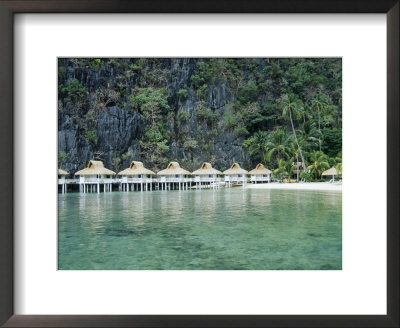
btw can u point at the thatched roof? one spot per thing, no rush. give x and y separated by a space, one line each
235 169
260 169
173 168
206 169
332 171
94 168
136 168
62 172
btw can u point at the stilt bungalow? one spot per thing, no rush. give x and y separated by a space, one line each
206 175
260 174
136 177
332 172
94 176
174 177
235 175
61 180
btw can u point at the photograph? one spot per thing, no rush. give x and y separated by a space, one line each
199 163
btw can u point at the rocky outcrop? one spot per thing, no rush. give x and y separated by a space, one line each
99 119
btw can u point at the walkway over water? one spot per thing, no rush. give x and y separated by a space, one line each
91 184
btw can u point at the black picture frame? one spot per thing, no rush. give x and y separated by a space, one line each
10 7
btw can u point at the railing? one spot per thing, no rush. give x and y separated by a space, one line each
137 180
97 180
207 179
255 178
83 180
234 179
174 179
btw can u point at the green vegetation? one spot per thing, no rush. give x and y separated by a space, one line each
94 63
62 158
282 111
91 136
182 94
116 160
319 163
72 91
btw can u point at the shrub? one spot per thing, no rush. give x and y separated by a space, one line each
247 94
91 136
62 157
182 94
241 131
202 91
306 176
183 116
73 90
94 63
229 119
62 73
332 141
196 81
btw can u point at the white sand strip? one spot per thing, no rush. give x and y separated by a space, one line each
298 186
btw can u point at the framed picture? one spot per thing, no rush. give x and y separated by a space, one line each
185 147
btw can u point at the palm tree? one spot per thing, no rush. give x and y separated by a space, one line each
277 145
339 168
319 163
292 108
281 170
309 136
338 163
295 159
319 104
257 144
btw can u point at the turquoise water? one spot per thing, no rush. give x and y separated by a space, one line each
226 229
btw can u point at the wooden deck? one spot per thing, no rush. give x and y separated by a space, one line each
158 183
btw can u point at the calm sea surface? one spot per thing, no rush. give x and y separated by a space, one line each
226 229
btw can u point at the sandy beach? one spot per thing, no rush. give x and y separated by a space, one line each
298 186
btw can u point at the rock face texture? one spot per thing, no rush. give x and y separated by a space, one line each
159 110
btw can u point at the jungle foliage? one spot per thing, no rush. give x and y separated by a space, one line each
281 110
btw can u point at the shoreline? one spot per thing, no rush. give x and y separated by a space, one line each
326 186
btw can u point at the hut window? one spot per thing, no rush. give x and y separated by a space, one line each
59 176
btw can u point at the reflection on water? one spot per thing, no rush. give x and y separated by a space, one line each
225 229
